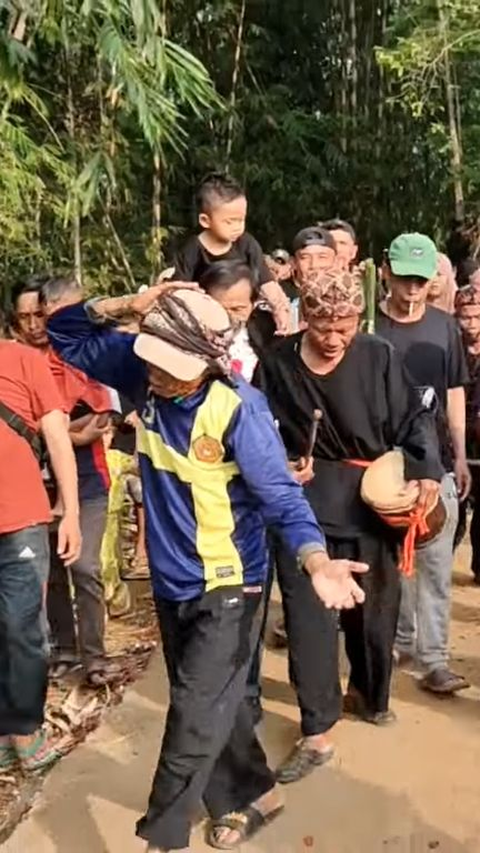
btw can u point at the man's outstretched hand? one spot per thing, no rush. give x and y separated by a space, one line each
333 580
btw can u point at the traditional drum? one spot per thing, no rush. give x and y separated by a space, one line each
385 489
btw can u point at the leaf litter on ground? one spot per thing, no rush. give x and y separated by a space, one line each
75 709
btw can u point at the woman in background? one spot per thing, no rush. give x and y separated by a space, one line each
444 286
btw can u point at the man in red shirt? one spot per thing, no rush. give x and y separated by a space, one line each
28 390
88 405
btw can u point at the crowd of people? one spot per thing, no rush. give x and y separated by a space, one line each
258 432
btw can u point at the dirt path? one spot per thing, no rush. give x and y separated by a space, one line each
408 789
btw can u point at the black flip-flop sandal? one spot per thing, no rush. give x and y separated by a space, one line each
246 823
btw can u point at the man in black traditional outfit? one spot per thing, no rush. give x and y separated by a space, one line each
367 408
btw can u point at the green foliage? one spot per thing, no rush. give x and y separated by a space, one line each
86 87
331 108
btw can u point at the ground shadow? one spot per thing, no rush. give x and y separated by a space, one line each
330 812
278 691
462 579
333 813
465 612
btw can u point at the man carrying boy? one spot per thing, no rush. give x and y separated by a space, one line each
222 207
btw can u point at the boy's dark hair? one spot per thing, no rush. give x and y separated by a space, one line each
217 188
223 275
339 225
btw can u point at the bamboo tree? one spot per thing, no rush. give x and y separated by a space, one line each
71 125
343 79
352 16
235 75
156 216
455 145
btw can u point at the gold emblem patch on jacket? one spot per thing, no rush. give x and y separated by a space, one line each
208 449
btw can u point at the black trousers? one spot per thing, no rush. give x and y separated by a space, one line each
370 629
209 750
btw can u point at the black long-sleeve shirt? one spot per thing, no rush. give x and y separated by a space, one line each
368 406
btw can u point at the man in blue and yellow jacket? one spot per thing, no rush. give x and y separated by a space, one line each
214 474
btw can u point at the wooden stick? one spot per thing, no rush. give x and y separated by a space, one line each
312 436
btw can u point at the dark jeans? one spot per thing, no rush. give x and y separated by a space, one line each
88 589
209 750
312 632
24 560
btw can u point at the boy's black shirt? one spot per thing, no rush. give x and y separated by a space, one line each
193 259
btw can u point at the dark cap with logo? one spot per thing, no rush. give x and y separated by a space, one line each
413 255
313 236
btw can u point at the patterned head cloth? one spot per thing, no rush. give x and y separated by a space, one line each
466 296
333 295
186 333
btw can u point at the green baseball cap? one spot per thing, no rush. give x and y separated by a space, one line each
413 254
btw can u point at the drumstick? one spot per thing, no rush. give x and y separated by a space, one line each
312 435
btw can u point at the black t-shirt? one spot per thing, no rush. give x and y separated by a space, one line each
368 406
193 259
434 357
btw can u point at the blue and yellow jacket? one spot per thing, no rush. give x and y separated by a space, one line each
213 468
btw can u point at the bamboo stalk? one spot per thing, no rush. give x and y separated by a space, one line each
156 216
235 75
370 294
352 16
455 145
71 126
121 251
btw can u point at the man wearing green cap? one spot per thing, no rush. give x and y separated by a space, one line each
430 343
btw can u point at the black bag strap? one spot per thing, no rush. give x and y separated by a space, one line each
17 423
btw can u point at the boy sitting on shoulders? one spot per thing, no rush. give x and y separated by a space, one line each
222 207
